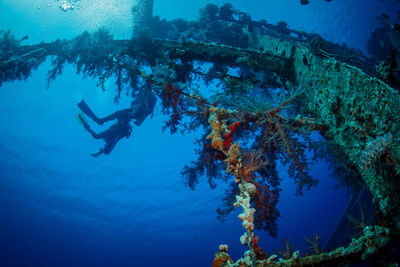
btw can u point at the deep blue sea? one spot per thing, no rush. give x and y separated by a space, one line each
61 207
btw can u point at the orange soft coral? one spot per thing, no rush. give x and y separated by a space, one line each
215 135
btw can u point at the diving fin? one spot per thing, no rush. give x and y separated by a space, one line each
82 120
86 109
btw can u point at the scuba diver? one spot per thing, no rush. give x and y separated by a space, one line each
141 107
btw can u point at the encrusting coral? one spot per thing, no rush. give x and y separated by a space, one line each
235 166
222 258
373 238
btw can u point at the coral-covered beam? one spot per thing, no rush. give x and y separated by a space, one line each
370 242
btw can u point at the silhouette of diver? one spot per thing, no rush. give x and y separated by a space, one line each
141 107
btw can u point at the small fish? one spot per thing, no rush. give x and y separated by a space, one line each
385 16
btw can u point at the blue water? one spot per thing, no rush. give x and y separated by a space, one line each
61 207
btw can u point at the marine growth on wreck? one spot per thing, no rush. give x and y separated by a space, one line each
277 86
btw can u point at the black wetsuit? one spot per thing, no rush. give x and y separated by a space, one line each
116 132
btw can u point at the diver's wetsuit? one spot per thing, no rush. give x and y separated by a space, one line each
141 108
116 132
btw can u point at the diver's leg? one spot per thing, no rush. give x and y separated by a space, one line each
101 135
85 124
108 147
116 115
106 137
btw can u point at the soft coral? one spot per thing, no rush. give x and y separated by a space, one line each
172 99
228 136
